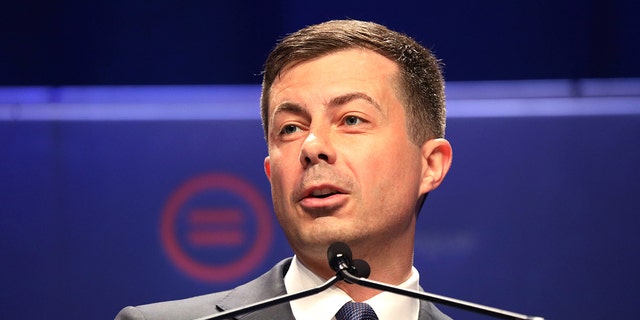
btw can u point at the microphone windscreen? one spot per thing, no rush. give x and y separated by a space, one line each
363 270
338 252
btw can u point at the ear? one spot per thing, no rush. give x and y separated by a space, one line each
436 161
267 167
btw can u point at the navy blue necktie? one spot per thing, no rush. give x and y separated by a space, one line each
356 311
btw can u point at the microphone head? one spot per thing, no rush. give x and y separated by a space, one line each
338 254
362 268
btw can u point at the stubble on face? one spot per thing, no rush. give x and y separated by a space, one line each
316 228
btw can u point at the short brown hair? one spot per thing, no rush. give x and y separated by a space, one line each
421 81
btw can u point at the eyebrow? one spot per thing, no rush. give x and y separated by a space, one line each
295 108
348 97
289 107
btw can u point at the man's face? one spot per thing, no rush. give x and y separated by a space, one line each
341 164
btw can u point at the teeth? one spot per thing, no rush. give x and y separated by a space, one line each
322 192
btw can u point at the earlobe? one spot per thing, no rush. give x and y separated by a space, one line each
436 159
267 167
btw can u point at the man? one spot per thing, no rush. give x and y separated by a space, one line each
354 119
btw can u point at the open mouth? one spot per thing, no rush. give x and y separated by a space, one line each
323 193
323 197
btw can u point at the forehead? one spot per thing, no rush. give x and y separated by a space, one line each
334 74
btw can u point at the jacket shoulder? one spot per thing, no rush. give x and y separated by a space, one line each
187 309
266 286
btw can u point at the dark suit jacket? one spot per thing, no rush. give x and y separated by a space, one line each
270 284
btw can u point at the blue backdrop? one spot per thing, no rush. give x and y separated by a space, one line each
538 214
72 42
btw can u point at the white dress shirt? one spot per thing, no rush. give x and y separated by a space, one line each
324 305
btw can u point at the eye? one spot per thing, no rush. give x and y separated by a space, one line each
352 120
289 129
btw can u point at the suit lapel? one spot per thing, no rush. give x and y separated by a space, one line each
269 285
428 311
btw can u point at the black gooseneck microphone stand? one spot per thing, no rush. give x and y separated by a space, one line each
356 272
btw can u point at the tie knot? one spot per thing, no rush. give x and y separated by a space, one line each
356 311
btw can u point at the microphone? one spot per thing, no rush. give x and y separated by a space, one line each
339 255
363 270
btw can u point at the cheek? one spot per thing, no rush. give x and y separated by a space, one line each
283 174
395 169
378 158
285 154
277 177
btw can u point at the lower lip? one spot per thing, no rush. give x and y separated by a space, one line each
332 201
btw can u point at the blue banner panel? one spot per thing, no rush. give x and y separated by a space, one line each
538 215
97 215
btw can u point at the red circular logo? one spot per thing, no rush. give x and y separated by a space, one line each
236 229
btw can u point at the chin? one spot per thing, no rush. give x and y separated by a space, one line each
321 238
321 232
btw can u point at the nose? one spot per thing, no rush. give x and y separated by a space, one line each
316 149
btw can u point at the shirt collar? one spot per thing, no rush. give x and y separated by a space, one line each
324 305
